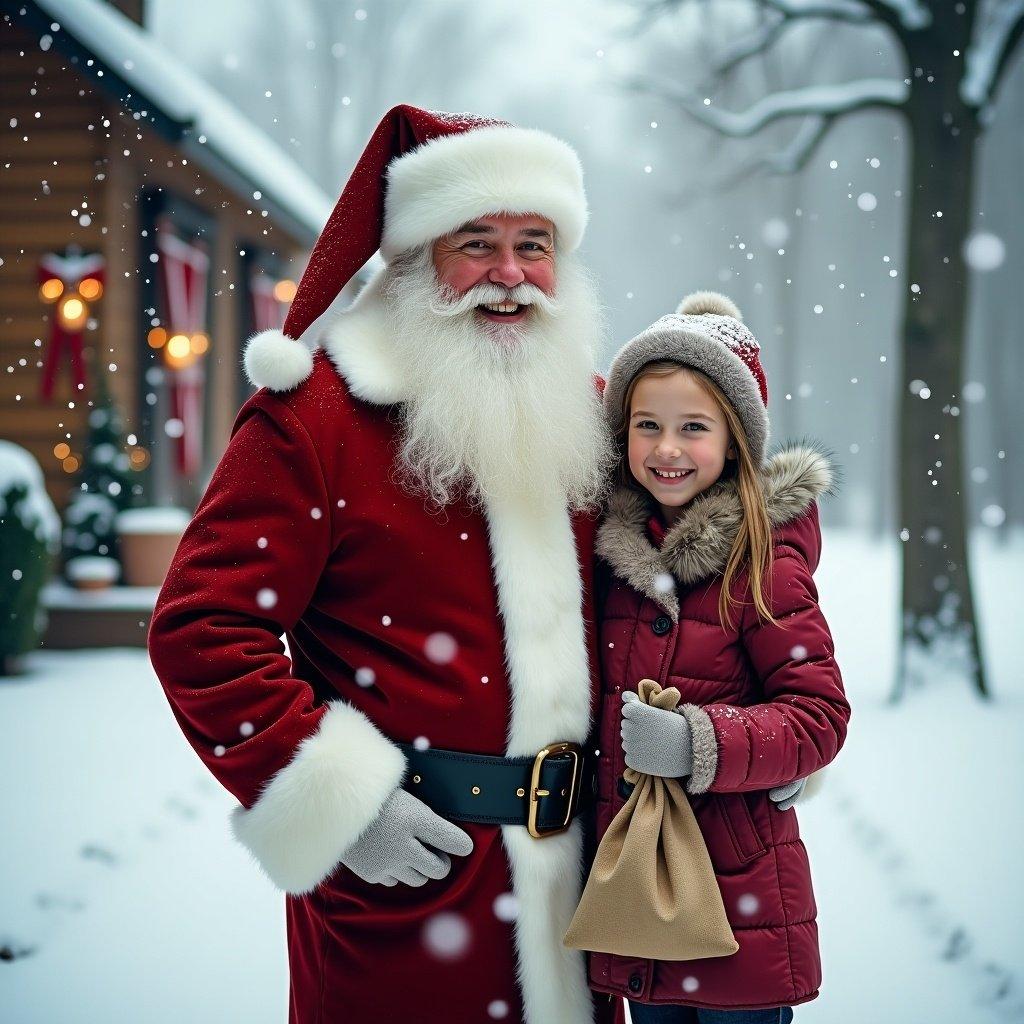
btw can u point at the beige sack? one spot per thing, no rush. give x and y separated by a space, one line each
652 891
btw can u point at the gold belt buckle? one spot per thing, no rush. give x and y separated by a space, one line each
536 792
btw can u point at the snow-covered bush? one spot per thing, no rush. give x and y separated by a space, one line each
29 539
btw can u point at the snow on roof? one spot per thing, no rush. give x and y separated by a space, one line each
198 110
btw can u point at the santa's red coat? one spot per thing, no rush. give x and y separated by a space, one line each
304 532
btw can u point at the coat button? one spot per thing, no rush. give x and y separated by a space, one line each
661 625
636 983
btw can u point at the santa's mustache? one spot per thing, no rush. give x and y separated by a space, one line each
450 304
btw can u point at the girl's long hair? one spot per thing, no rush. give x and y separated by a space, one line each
752 547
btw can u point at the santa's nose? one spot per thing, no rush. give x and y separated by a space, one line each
505 271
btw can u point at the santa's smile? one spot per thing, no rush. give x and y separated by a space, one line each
502 312
669 476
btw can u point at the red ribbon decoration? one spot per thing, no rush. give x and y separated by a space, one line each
184 270
63 344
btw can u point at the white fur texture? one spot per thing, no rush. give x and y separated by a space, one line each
547 878
448 181
359 345
540 595
318 805
277 362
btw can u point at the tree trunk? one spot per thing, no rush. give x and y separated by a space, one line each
938 624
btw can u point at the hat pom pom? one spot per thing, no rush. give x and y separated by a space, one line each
275 361
709 302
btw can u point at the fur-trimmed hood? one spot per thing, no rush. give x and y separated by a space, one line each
698 544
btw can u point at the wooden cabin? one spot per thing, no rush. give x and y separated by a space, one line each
146 229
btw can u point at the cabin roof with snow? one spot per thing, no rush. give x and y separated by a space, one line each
127 63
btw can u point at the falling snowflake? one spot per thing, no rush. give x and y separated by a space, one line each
440 648
266 598
506 907
663 584
775 232
798 652
867 201
748 904
447 936
246 728
984 251
993 515
365 676
690 983
421 743
497 1009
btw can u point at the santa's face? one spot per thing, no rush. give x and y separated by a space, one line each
512 253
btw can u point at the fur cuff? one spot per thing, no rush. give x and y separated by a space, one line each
318 805
705 749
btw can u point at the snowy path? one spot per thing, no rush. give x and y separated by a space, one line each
120 878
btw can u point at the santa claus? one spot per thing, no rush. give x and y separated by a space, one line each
411 505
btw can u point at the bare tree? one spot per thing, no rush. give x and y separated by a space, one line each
955 54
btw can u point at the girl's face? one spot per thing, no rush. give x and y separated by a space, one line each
678 439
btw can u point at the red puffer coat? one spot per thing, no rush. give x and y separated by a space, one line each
765 703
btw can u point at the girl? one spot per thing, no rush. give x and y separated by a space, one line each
710 547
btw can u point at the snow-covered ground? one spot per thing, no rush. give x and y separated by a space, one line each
122 897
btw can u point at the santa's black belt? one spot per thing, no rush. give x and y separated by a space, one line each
541 792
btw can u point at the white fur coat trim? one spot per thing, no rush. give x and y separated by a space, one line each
533 551
450 180
358 344
317 806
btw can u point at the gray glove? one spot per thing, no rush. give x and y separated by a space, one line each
785 796
392 849
655 741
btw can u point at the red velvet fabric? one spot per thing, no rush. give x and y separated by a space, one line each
779 713
361 576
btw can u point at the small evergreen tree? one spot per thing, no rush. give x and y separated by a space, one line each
104 482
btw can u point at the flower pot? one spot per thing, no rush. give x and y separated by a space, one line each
148 538
89 572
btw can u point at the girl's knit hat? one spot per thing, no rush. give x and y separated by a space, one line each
706 333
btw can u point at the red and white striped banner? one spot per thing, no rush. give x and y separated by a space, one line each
184 274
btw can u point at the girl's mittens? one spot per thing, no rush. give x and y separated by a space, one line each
785 796
655 741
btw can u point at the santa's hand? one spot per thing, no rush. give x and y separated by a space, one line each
655 741
396 846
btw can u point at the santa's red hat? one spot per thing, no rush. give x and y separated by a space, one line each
422 175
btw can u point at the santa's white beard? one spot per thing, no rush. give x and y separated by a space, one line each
498 410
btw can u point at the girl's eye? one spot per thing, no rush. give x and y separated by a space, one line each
646 425
693 426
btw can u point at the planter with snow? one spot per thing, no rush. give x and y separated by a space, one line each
149 537
92 572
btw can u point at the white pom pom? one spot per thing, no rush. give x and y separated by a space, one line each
275 361
709 302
